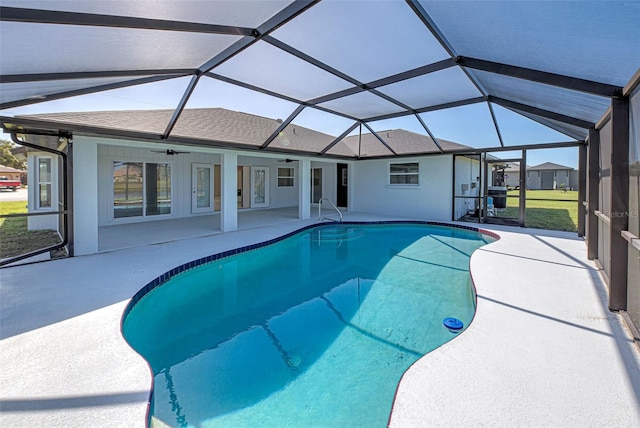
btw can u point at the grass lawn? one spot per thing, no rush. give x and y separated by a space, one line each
15 239
555 213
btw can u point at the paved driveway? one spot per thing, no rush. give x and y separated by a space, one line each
10 195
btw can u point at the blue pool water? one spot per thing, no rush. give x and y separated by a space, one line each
314 330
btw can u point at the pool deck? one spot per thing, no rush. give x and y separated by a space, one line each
542 350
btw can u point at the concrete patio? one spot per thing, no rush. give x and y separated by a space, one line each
543 350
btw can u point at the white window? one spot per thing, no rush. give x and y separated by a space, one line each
285 177
406 174
141 189
44 177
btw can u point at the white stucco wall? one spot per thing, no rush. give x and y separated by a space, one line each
430 200
108 152
85 195
279 197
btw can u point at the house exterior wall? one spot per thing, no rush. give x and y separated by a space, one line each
512 178
430 200
574 179
329 177
562 178
279 197
180 178
533 180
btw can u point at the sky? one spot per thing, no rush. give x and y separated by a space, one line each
470 125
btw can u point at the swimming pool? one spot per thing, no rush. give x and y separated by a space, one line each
315 329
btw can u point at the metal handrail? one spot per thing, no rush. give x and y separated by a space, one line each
332 204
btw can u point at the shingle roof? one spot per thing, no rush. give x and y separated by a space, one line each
222 125
402 142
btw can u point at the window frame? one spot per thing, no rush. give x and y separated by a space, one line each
39 182
290 178
144 216
403 174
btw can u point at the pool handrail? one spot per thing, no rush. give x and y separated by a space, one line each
320 218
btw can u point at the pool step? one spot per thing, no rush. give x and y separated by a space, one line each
335 233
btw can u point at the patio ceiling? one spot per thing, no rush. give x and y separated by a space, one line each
340 68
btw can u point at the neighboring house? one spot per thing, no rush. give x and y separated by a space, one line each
512 175
546 176
549 176
12 173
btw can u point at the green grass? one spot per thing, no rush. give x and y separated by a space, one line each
15 239
554 214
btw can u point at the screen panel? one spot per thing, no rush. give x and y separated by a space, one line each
49 48
350 36
518 130
551 36
268 67
405 135
469 125
231 114
246 13
362 105
433 89
552 98
35 90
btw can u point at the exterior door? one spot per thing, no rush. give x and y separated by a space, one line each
343 185
316 185
201 188
259 186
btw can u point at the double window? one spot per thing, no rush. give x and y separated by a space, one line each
285 177
141 189
404 173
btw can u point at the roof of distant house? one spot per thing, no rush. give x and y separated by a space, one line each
548 166
6 169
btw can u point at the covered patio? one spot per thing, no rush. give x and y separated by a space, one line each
156 232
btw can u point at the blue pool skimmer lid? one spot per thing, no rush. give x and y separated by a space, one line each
453 324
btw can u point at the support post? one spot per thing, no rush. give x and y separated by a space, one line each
304 194
229 192
68 200
582 188
85 197
593 194
619 203
523 190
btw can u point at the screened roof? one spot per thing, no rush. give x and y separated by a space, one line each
480 74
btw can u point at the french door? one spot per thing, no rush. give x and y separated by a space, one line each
201 188
259 186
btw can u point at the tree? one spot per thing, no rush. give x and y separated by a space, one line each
7 158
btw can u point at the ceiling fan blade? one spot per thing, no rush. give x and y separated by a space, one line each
170 152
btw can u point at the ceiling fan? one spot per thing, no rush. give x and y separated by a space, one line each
287 160
169 152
